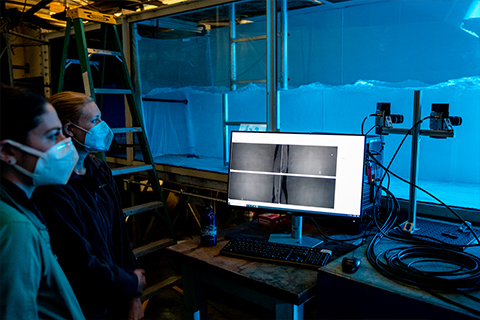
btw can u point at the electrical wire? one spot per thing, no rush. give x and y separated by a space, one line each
406 263
365 119
319 228
437 199
394 264
398 149
398 263
401 263
386 169
369 227
371 129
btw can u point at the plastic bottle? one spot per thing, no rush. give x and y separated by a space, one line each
208 236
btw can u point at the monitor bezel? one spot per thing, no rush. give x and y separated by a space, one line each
321 215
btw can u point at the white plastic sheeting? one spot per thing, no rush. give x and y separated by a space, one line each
404 45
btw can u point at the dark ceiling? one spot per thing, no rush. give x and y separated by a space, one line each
47 15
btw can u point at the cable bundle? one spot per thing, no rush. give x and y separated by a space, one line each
453 270
448 270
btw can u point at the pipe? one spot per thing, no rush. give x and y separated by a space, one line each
165 100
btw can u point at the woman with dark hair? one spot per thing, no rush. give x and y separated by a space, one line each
86 220
33 151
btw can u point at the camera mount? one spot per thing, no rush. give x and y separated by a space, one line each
441 125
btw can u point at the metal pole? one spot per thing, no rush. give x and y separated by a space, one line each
412 212
8 48
284 38
128 116
271 64
225 128
233 49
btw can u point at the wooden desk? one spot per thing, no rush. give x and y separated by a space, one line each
367 294
282 289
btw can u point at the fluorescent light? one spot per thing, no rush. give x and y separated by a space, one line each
471 22
172 1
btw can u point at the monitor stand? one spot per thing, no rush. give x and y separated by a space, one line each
295 238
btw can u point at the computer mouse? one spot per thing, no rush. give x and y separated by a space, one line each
350 264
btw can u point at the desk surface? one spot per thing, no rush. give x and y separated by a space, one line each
295 285
374 284
290 284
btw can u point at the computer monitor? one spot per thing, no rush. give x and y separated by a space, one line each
310 174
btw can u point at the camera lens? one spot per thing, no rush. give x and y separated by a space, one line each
455 121
397 118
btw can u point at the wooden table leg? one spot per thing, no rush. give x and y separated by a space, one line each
194 295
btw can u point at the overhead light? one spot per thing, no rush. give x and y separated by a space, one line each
471 22
149 6
168 2
56 7
244 21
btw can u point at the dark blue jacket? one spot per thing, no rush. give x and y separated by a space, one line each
89 235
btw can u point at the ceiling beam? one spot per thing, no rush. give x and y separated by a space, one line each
39 5
182 7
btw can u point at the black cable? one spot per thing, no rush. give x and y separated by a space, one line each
371 129
334 239
398 263
386 169
368 228
431 195
391 161
397 150
363 122
401 263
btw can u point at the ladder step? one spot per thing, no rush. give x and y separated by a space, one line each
161 286
112 91
75 18
152 247
90 15
142 208
76 61
126 130
102 52
131 169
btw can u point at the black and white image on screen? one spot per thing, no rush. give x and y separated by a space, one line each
283 174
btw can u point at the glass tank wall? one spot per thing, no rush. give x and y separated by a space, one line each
342 59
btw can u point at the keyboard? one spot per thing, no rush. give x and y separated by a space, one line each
277 253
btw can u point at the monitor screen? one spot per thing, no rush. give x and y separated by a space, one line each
302 173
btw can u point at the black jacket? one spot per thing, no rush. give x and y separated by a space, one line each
89 235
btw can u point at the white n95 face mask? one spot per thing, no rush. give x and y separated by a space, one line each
53 166
98 138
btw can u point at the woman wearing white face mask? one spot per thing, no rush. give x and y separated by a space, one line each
86 220
33 151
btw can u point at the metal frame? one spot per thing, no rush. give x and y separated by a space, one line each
271 64
182 173
272 94
414 159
